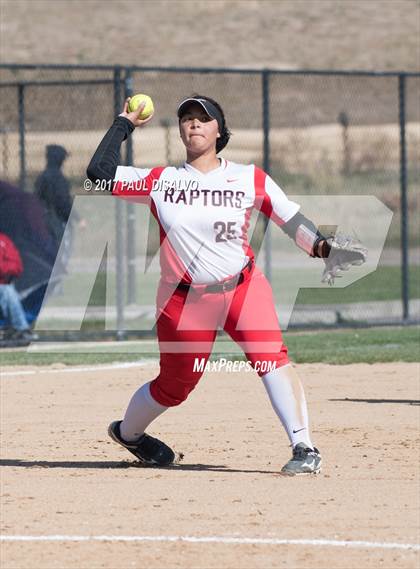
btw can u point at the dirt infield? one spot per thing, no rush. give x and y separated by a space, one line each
62 477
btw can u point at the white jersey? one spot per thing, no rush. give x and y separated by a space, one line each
204 218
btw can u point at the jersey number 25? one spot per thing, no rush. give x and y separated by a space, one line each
224 230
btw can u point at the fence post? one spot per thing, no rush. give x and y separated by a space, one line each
22 155
403 197
130 209
266 166
119 228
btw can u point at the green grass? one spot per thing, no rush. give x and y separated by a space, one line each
369 345
364 345
22 358
382 284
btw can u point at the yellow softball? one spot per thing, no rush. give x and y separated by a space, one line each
136 101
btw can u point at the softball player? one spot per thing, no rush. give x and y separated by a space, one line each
208 274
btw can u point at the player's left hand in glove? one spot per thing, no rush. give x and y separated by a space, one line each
342 251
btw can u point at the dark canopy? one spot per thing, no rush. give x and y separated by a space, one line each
22 218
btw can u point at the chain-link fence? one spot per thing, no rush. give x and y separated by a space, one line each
345 145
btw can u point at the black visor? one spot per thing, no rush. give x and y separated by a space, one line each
212 111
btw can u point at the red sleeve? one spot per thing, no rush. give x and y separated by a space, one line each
136 184
271 200
10 260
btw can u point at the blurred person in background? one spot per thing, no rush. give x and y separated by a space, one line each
11 308
53 190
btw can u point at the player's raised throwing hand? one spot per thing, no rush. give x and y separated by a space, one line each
134 115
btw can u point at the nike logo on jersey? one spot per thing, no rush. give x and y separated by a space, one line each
302 429
232 180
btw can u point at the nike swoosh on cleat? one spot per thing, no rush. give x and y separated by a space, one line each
309 464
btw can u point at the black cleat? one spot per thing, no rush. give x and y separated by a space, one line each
147 449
